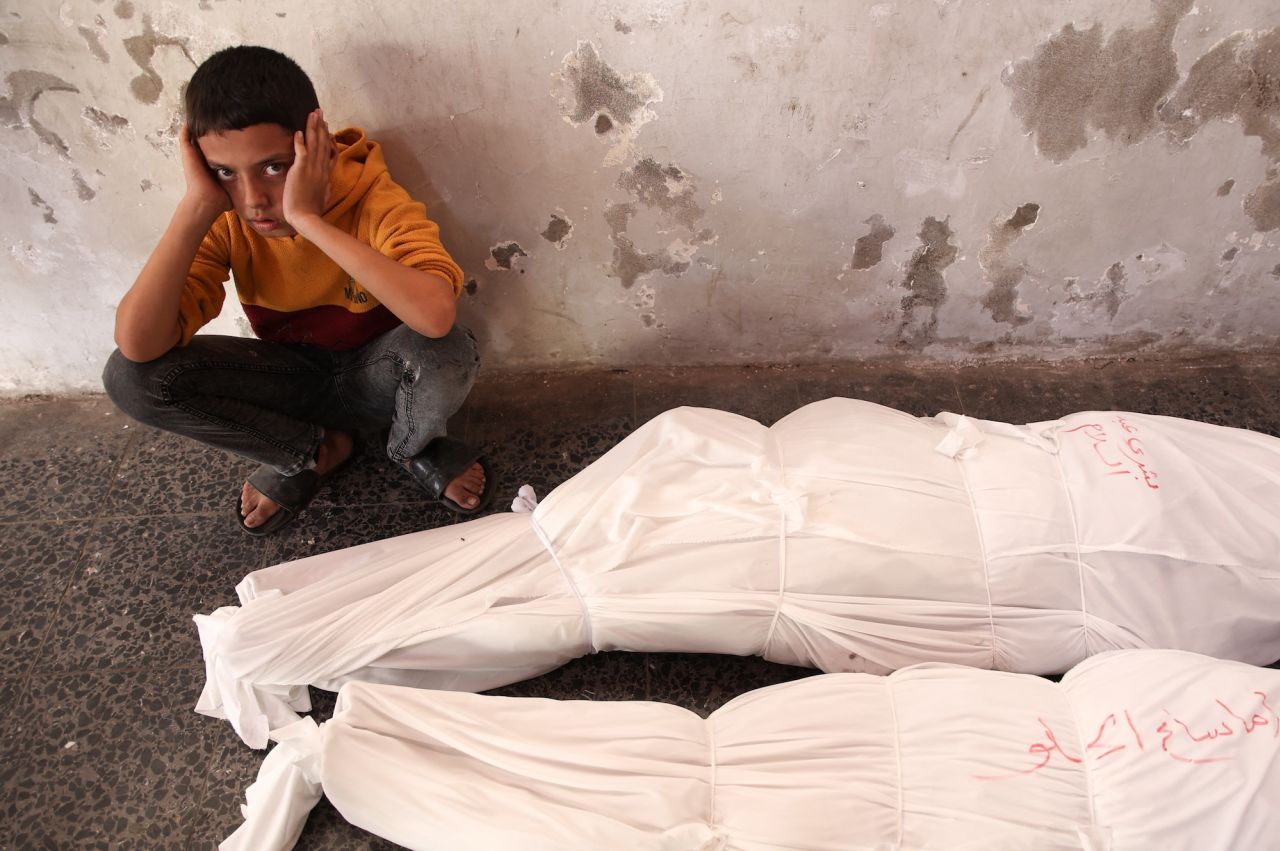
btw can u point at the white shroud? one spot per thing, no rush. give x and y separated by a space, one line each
1141 750
847 537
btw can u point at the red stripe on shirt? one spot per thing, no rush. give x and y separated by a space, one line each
326 326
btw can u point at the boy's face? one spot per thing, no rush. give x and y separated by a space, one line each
250 164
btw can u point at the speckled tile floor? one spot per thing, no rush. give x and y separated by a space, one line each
114 535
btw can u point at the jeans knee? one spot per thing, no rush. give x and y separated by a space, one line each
129 386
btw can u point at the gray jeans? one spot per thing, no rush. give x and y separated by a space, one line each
271 402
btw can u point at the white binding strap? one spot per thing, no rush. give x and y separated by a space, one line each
526 502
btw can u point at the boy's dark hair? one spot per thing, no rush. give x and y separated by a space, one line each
238 87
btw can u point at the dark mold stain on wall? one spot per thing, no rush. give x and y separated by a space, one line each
557 231
124 9
90 37
1004 274
1109 295
1225 189
1230 254
1237 80
868 250
105 121
146 87
505 253
37 201
629 262
670 191
84 191
16 108
1075 80
1263 204
4 39
665 188
1126 88
926 285
599 91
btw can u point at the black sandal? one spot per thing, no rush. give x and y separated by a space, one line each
444 460
290 493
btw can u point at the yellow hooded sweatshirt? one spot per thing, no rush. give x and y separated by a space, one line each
290 290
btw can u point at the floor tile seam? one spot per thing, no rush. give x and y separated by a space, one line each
1261 394
54 673
77 565
198 809
116 518
114 477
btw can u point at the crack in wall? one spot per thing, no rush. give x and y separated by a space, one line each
1003 273
926 285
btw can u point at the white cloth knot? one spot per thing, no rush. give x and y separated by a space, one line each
961 439
792 502
526 500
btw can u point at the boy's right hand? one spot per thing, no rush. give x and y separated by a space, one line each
203 191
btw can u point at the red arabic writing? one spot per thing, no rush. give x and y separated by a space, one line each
1174 738
1122 454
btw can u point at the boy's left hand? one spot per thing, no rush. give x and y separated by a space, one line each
306 186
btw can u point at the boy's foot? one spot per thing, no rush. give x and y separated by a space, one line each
335 448
454 474
467 488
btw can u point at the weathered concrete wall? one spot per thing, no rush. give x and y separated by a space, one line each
702 181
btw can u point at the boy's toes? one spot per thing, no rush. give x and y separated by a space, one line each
255 508
466 489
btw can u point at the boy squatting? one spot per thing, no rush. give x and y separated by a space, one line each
342 277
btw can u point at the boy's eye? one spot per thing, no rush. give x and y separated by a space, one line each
276 169
223 173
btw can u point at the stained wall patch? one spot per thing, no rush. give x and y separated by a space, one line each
926 286
503 255
1003 273
558 230
146 87
16 108
868 249
1075 81
615 106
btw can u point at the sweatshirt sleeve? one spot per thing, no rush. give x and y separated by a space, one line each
401 230
205 291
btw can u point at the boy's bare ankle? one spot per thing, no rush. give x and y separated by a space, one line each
335 447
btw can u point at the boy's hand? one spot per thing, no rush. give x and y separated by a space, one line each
306 186
203 192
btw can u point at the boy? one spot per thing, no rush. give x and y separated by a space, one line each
343 279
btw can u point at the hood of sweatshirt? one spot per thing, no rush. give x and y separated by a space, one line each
358 165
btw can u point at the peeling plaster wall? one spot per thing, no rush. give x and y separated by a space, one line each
696 181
